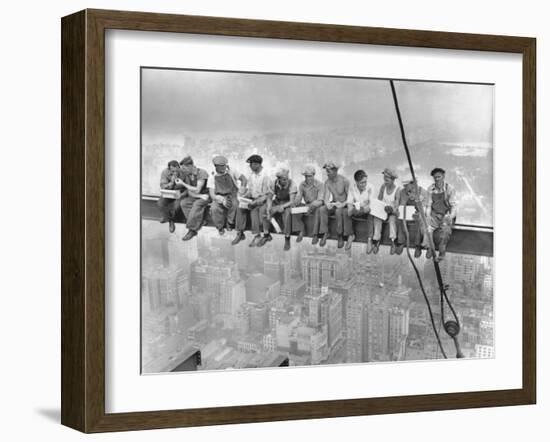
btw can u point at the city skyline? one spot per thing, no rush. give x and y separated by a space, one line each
245 307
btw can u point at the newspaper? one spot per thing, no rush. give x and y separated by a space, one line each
410 211
301 209
172 194
244 202
377 209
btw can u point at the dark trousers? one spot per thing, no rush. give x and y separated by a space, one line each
358 216
258 219
193 209
168 207
222 215
298 221
416 233
343 220
440 229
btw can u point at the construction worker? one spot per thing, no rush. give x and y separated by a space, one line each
196 201
224 188
280 200
336 190
258 186
310 194
389 195
169 206
358 206
441 207
410 194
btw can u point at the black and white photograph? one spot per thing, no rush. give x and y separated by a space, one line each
298 220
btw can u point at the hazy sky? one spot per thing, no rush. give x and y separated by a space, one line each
182 102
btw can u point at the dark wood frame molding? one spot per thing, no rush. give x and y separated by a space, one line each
83 220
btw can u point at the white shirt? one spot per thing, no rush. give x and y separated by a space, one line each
356 196
258 184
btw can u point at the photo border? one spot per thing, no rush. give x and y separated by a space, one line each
83 219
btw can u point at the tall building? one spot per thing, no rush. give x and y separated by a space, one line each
320 269
272 263
232 296
166 287
484 351
335 319
377 314
355 324
258 317
398 330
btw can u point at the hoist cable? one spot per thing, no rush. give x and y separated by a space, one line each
420 282
452 328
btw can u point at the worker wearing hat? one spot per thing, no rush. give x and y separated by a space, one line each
258 186
196 201
224 189
280 200
441 207
358 207
169 206
336 190
412 197
310 194
389 194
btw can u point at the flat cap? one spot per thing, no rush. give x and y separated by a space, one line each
330 165
389 173
308 170
219 160
255 159
282 171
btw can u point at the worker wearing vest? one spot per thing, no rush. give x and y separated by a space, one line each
440 212
224 189
280 201
310 194
389 195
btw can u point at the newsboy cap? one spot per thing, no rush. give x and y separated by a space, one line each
219 160
255 159
330 165
390 173
308 170
282 171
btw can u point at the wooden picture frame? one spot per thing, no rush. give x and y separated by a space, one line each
83 220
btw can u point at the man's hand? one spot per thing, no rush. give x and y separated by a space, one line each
220 199
447 220
330 206
388 209
350 210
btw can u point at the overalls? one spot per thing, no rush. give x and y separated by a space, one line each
438 225
226 187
